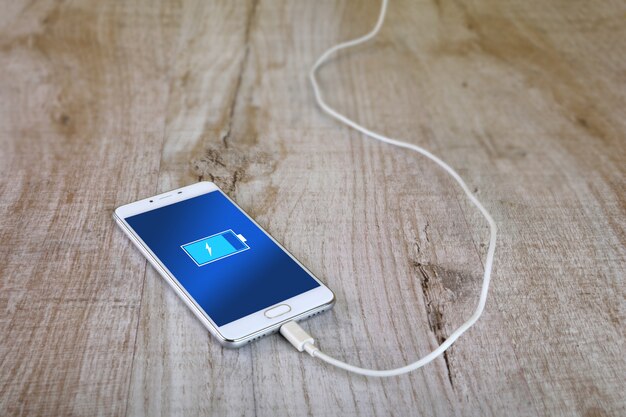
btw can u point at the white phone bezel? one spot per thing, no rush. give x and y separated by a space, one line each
245 329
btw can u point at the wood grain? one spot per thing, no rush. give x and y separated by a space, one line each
105 103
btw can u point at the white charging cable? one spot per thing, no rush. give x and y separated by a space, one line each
292 331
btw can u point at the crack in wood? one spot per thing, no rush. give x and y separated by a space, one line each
433 312
224 164
242 68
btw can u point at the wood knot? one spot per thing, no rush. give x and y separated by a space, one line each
228 167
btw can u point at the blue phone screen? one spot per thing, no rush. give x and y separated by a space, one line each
224 261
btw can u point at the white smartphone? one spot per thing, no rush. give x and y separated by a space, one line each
233 275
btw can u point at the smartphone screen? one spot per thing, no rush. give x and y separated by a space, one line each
224 261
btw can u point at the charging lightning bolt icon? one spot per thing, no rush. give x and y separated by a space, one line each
208 248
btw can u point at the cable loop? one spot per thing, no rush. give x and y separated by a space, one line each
308 346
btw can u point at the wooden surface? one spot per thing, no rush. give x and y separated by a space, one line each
103 103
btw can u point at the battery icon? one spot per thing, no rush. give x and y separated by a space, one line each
215 247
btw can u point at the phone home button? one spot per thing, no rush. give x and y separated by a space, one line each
277 311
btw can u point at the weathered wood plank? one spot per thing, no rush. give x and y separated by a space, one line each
72 133
178 368
523 98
